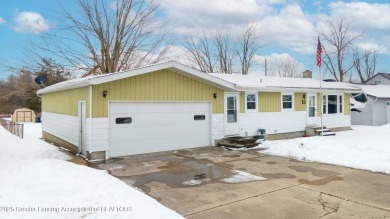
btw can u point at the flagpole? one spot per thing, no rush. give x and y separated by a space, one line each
319 64
321 100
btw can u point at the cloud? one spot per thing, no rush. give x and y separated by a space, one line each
275 60
289 28
193 17
30 22
2 21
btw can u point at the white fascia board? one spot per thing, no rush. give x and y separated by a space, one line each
131 73
172 65
205 77
69 86
282 89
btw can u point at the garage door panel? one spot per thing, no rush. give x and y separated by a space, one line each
144 133
158 127
159 119
157 107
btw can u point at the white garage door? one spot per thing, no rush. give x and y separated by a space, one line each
137 128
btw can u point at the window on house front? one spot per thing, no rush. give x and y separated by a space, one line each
251 101
287 101
378 82
332 104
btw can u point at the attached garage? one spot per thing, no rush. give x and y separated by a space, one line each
163 107
143 127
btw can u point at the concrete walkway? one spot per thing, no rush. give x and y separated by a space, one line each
192 182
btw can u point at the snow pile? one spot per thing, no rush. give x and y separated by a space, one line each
37 183
194 182
241 176
364 147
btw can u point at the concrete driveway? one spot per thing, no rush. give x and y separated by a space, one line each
197 184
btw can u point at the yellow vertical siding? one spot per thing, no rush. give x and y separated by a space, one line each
242 102
65 102
319 104
164 85
299 102
269 102
347 104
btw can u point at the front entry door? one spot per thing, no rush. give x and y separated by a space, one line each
231 114
311 109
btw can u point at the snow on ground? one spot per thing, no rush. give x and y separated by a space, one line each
241 176
36 182
364 147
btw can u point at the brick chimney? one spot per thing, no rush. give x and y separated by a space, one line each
307 74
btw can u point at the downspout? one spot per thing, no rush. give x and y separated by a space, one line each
90 118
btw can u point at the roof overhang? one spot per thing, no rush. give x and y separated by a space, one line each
299 89
172 65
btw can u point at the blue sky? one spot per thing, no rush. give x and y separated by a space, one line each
288 28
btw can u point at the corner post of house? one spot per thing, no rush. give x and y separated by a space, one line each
90 119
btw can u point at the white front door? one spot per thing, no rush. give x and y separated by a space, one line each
82 127
311 109
231 114
388 111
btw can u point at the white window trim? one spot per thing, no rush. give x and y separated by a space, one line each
375 82
256 102
292 101
338 104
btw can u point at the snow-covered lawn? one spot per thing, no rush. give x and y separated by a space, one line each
37 182
364 147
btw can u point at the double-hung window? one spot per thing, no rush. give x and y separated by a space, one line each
251 102
287 101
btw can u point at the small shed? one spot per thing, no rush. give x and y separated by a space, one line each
23 115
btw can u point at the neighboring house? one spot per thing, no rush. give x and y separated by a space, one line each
377 109
170 106
380 78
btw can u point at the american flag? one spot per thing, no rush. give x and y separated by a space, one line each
319 51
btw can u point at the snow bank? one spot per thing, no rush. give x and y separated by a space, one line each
364 147
37 183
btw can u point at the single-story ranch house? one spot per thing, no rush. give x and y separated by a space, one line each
171 106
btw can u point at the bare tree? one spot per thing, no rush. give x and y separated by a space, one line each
339 39
287 67
104 36
225 53
200 52
365 64
248 45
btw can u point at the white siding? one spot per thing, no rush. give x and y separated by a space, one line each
273 122
217 127
62 126
379 116
100 134
365 116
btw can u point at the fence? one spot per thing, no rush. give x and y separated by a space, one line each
14 128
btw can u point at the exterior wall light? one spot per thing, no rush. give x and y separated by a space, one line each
215 95
104 93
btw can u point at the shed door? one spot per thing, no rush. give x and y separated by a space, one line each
137 128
